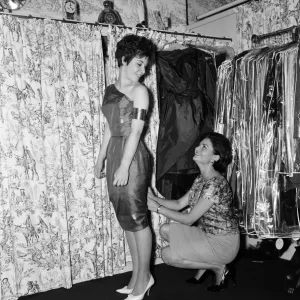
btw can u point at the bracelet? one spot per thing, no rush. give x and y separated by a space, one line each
158 208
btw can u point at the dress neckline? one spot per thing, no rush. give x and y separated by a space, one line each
122 93
214 177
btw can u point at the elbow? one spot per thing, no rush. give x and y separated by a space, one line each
189 223
179 206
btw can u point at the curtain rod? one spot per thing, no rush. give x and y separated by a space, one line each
122 26
294 29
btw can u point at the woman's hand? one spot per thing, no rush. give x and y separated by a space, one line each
98 169
121 176
152 205
151 195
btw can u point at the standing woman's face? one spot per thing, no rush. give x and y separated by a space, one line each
136 68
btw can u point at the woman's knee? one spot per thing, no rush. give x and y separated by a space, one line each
164 231
166 255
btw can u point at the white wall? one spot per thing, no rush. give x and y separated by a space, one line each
222 25
90 9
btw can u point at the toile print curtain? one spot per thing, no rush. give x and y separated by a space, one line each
265 16
55 225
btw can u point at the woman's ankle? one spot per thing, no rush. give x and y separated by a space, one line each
219 273
199 274
132 282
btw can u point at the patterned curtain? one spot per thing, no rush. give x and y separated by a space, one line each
55 226
265 16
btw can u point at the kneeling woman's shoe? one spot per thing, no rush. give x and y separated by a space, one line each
228 273
141 296
292 282
124 290
204 276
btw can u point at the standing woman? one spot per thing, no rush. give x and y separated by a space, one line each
207 238
125 107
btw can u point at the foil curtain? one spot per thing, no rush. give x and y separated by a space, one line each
255 108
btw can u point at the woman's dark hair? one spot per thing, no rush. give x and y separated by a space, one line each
222 147
131 46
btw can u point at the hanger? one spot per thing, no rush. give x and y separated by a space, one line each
186 41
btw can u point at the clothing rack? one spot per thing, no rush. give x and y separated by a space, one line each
196 35
293 29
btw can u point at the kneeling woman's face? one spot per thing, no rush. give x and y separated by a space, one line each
204 153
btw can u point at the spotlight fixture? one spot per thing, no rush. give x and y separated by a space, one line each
12 4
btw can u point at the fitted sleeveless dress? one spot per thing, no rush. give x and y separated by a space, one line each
129 201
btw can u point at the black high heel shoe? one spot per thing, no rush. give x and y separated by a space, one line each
204 276
292 282
228 273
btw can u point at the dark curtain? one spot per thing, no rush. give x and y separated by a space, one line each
187 86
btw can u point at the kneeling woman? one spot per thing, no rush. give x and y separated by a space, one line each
207 237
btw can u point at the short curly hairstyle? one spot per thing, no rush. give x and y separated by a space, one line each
222 147
131 46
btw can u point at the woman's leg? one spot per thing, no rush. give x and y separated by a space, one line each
199 273
143 239
164 231
134 257
186 264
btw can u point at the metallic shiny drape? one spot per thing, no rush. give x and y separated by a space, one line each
256 110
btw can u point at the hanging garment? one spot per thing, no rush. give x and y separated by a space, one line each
289 208
297 123
263 130
187 85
